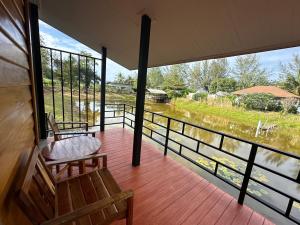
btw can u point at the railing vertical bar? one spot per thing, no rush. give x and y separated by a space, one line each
71 89
94 94
289 208
123 115
183 127
221 142
247 175
198 145
152 117
52 82
167 136
79 84
62 89
216 169
86 92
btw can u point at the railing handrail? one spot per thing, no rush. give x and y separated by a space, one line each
69 52
226 135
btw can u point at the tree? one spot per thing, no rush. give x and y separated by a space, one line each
174 76
222 84
199 76
120 78
219 68
290 75
248 72
204 73
155 78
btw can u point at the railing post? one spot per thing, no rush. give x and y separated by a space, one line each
247 175
103 83
123 115
37 70
167 136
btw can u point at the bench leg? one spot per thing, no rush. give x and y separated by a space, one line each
129 216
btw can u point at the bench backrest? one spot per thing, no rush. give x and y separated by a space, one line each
37 192
54 126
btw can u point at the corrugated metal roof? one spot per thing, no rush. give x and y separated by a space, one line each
156 91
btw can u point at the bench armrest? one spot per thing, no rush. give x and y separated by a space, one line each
88 157
67 122
75 132
89 209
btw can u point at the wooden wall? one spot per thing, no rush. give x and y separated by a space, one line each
17 126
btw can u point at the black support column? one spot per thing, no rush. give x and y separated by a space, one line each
37 68
141 86
103 84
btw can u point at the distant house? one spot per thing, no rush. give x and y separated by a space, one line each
157 95
119 88
199 91
276 91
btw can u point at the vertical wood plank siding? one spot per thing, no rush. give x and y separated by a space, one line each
17 126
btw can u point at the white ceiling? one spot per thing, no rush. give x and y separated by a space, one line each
182 31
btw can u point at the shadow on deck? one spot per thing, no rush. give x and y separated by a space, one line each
168 193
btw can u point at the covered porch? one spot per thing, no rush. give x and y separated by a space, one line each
168 193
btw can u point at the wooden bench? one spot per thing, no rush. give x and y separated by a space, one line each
59 135
93 198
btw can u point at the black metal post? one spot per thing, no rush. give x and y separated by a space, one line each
37 69
124 110
103 81
141 86
167 136
247 173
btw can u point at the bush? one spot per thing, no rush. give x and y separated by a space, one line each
262 102
289 105
200 96
222 84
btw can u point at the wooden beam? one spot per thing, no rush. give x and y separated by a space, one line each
103 84
141 86
37 69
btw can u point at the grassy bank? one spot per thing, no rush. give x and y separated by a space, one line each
239 114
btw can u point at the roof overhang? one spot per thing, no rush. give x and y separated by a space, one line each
182 31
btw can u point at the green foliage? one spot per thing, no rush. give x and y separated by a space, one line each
155 78
290 75
262 102
203 73
174 77
248 72
200 96
176 93
222 84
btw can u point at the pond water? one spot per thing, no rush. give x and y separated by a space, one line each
277 138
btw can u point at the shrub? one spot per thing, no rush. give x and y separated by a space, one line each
200 96
222 84
289 105
262 102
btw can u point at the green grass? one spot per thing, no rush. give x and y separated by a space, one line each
239 114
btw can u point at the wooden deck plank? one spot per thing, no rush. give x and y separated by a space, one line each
167 192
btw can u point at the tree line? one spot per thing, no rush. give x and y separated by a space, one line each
218 75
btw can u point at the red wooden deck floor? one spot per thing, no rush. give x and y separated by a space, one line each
166 192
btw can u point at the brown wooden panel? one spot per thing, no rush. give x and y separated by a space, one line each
10 28
20 7
78 200
15 13
16 110
11 53
13 75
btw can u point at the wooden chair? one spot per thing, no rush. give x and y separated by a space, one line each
87 199
59 135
